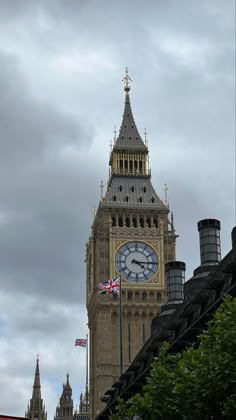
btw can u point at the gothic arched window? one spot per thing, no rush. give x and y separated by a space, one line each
158 297
140 199
127 222
120 221
132 188
127 199
144 189
114 198
120 188
141 222
151 296
148 223
134 222
155 223
140 165
130 295
153 200
113 220
144 296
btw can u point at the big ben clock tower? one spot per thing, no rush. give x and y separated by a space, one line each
131 236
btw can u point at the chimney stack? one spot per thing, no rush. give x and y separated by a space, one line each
209 235
175 271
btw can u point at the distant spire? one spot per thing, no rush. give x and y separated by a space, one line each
67 388
64 410
37 387
36 407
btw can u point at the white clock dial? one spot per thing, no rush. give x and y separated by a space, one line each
136 262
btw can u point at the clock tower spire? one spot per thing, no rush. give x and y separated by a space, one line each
131 236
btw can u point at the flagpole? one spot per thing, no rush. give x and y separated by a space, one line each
121 335
86 397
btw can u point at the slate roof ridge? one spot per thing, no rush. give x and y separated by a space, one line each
139 190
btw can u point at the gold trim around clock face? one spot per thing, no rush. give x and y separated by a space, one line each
136 262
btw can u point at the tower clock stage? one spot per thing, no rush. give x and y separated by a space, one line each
136 262
131 237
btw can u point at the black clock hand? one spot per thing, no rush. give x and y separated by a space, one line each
153 263
138 262
145 262
141 265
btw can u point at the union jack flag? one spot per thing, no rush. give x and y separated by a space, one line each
82 342
110 286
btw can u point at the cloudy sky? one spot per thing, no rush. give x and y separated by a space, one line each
61 94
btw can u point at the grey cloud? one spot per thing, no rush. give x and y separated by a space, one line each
40 198
30 127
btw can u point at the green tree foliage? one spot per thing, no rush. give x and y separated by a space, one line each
197 384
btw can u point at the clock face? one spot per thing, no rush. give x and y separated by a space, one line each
136 262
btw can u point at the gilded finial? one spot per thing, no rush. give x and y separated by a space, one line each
126 81
101 187
172 221
165 189
115 133
145 136
111 144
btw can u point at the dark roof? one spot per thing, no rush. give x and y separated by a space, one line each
137 190
129 137
179 324
4 417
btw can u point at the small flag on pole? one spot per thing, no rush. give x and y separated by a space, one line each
110 286
82 342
